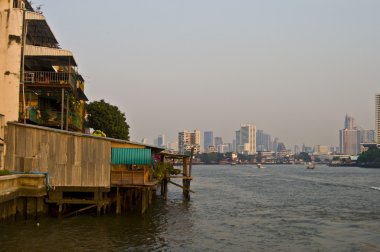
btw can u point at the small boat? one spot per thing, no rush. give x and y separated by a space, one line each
233 163
260 166
310 165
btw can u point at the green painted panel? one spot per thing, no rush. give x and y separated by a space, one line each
131 156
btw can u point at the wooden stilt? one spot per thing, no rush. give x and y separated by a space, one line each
118 203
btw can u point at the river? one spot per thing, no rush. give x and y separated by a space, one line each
234 208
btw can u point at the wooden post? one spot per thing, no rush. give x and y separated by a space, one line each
191 162
118 203
184 165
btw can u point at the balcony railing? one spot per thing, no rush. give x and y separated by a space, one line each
50 78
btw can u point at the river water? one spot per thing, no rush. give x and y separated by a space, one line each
235 208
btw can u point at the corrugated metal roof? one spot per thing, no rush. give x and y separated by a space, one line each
131 156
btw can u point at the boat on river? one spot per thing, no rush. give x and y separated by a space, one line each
310 165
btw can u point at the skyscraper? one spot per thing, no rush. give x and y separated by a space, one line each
377 117
349 122
218 141
246 139
161 140
208 137
349 137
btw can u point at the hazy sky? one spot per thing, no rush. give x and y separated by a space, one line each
292 67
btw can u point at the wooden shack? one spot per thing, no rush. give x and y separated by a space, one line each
81 169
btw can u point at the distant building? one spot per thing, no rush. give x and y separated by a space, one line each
218 141
349 140
161 141
349 122
246 139
322 149
208 140
377 118
350 137
297 149
263 141
367 136
144 141
188 140
172 146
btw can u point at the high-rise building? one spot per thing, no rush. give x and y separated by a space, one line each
188 140
349 122
263 141
218 141
349 141
367 136
349 137
208 140
377 117
161 140
246 139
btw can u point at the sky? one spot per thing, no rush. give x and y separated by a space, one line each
294 68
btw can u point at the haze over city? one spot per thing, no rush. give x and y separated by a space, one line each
293 68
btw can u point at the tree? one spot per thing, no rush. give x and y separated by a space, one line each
304 156
107 118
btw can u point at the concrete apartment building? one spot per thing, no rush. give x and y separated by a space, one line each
188 140
39 81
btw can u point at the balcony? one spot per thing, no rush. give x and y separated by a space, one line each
52 118
50 79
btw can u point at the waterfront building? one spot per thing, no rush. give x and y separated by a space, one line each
188 140
246 139
208 140
39 81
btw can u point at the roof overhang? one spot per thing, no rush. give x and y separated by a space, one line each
60 56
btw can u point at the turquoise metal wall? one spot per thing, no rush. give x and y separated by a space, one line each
131 156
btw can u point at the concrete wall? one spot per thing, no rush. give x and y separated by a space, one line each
10 60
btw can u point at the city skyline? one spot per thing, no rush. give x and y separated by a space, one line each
283 66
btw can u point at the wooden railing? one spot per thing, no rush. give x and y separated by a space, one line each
129 177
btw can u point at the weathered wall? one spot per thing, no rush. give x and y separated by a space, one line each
10 60
70 159
2 145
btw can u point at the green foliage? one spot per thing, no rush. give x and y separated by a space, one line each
107 118
372 156
99 133
163 169
304 156
211 158
4 172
